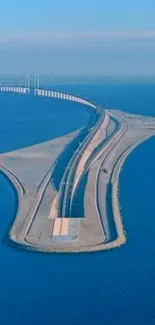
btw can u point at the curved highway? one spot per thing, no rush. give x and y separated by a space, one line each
67 184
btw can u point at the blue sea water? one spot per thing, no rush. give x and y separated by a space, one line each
28 120
116 287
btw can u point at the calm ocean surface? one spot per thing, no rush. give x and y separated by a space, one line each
117 287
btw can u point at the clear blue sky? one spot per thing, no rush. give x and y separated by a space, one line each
78 37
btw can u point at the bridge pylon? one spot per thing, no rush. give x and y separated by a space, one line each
32 81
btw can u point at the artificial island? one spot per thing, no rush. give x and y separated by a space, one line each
73 207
